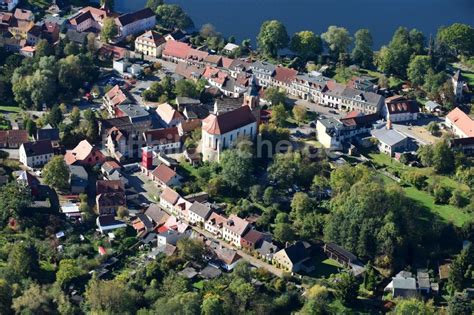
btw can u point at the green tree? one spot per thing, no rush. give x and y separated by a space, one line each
443 158
299 113
23 260
15 198
417 69
338 40
153 4
172 16
56 173
75 116
109 30
269 195
306 44
362 54
43 48
279 115
186 88
68 270
457 37
434 129
34 300
272 37
55 116
347 288
414 306
31 127
459 304
212 305
109 297
5 297
284 232
275 96
237 168
190 249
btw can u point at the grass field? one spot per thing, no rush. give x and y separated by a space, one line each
447 212
9 109
470 77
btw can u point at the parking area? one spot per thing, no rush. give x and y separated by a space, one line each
144 186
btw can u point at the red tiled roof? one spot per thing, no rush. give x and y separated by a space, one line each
176 49
17 136
168 113
196 55
399 104
285 75
237 225
164 135
109 186
169 195
163 173
218 125
462 121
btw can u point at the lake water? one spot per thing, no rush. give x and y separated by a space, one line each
242 18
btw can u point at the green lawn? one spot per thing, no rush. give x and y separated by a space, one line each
470 77
324 266
448 212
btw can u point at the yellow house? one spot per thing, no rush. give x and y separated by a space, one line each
149 44
291 258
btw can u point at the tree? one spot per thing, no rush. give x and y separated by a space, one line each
56 173
417 69
172 16
275 96
68 270
283 232
306 44
31 127
269 195
338 40
23 260
75 116
190 249
15 198
55 116
443 158
153 4
459 304
255 193
5 297
299 113
109 30
279 115
459 266
272 37
362 54
434 129
457 37
43 48
237 168
34 300
91 48
109 297
347 288
122 212
186 88
212 305
414 306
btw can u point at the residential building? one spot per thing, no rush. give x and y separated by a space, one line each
432 107
215 223
403 285
163 140
233 230
390 141
222 131
267 250
398 108
308 87
36 154
48 133
464 145
106 223
292 257
229 48
110 196
150 43
110 167
13 139
176 51
334 134
228 257
283 78
113 98
157 215
78 179
90 19
253 239
165 176
460 123
199 213
263 72
349 99
168 199
135 22
84 154
168 116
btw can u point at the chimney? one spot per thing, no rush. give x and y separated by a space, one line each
389 124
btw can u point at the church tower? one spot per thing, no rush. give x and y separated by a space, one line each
252 99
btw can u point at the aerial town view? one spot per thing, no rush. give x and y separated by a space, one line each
236 157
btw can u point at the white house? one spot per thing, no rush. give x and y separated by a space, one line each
398 108
108 223
136 22
390 141
458 85
198 213
36 154
221 131
233 229
215 223
460 123
168 199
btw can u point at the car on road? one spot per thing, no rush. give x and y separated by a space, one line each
332 111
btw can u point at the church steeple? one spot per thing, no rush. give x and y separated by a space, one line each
252 99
